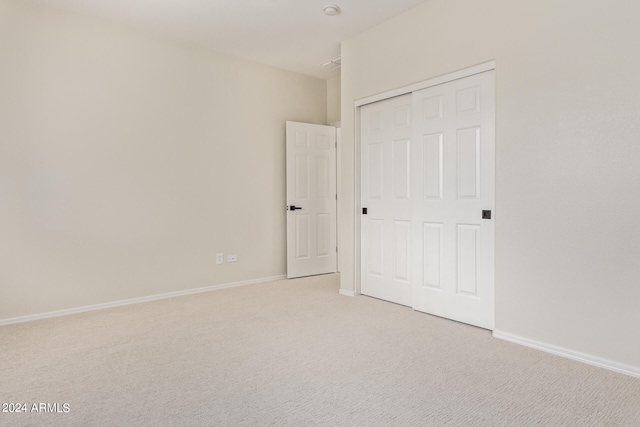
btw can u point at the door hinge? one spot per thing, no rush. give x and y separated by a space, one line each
364 211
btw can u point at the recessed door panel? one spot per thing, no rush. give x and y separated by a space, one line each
401 170
468 100
402 248
433 255
324 141
402 117
376 170
302 236
301 138
323 224
375 121
302 176
323 179
376 247
469 163
432 165
432 108
467 256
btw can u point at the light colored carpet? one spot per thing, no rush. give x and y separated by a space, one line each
294 353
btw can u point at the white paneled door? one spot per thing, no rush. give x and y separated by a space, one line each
311 199
435 233
453 172
385 192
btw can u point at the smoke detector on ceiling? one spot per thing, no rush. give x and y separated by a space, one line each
331 10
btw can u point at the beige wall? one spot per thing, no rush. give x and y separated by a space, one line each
127 162
333 100
568 150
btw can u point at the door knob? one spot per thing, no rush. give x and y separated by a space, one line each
293 208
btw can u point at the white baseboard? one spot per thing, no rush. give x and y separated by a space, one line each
347 293
633 371
76 310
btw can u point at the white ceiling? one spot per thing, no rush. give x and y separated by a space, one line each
290 34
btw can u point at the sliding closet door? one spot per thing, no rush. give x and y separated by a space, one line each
427 184
385 194
453 201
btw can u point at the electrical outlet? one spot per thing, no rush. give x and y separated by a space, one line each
232 258
219 258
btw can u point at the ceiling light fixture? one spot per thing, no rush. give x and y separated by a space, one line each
331 10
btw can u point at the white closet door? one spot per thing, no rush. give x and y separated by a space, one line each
386 194
453 172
